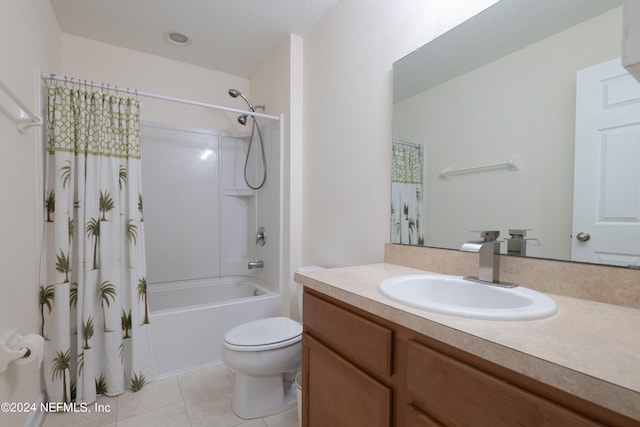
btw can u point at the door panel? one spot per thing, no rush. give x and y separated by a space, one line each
606 208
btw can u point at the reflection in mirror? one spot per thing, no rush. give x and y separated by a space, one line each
463 110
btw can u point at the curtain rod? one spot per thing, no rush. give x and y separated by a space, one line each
155 96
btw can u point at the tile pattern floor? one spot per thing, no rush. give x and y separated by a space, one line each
194 399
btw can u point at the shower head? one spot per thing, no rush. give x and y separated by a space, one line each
234 93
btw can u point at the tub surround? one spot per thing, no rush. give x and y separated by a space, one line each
590 349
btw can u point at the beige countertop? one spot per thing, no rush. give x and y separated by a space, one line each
589 349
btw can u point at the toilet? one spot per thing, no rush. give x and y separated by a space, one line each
266 355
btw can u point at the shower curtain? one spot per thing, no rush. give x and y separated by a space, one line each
93 287
407 209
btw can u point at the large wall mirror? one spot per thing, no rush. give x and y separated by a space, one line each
494 100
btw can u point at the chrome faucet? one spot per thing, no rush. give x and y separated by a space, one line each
489 251
255 264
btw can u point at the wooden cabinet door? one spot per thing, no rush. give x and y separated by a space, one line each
341 394
417 418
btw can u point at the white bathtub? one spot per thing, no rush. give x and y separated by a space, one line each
189 319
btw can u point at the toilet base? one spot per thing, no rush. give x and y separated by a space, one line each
256 396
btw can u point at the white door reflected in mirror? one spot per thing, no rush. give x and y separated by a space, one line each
606 204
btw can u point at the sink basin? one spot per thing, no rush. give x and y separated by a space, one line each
455 296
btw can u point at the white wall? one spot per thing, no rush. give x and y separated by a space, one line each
496 123
278 84
348 61
29 38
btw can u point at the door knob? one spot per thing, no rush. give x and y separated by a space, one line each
583 237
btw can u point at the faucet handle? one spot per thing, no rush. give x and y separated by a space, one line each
488 235
518 233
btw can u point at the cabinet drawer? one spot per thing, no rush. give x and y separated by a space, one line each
366 343
455 393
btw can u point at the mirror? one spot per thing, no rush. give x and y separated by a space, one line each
497 92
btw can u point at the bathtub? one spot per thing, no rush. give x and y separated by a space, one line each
189 319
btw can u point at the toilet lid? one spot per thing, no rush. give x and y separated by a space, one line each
263 334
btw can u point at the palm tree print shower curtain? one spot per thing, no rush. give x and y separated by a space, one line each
93 290
407 209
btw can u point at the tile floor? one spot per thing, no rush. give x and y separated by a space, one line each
194 399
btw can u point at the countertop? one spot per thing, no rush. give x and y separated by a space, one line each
589 349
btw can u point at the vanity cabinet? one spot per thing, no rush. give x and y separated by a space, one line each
362 370
346 368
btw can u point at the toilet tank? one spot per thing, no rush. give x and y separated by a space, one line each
304 269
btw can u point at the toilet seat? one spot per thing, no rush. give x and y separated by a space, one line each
263 334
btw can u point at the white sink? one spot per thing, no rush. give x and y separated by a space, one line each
456 296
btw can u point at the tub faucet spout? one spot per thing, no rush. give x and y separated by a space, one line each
255 264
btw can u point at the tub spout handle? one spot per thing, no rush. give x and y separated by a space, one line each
255 264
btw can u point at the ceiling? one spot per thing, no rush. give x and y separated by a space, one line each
231 36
